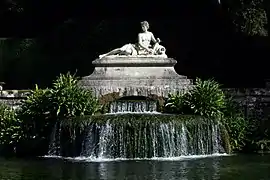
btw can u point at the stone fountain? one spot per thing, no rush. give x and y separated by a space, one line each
133 70
133 79
116 77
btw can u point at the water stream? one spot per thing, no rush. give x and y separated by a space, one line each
142 135
133 106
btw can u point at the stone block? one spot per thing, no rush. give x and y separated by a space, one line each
135 76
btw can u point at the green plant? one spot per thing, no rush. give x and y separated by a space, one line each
235 123
236 127
206 98
64 100
175 103
263 145
249 17
35 113
10 126
71 100
258 126
43 108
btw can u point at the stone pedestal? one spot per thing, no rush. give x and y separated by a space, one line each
135 76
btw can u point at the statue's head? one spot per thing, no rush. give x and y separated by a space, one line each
145 25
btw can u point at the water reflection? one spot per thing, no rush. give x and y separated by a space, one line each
215 172
233 167
152 170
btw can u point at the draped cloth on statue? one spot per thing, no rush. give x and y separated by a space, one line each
134 49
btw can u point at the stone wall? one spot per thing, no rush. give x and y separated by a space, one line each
254 101
13 97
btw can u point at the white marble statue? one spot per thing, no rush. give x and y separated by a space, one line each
143 47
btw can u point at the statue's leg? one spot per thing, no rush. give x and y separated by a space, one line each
128 50
113 52
134 50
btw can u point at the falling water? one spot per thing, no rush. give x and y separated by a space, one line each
154 140
54 146
133 106
148 136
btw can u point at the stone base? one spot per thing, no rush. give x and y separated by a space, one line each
135 76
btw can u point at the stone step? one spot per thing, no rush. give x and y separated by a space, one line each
134 62
137 82
132 87
132 79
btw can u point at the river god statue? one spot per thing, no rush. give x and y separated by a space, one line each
143 47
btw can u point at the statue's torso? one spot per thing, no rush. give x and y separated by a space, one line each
146 38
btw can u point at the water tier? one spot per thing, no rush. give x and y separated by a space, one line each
133 106
140 136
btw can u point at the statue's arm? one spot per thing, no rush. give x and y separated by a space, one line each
153 38
141 44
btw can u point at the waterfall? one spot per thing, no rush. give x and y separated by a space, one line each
148 136
132 106
54 146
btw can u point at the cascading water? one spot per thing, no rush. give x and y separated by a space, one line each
123 106
147 136
55 146
148 140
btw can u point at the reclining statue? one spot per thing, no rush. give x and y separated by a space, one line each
142 47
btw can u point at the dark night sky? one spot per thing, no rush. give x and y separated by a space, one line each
198 34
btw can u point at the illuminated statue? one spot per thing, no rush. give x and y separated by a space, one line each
143 47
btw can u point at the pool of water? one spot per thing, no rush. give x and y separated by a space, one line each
236 167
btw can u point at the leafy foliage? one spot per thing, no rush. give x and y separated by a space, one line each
43 108
36 103
175 103
34 112
205 99
71 100
258 134
249 17
263 145
10 129
65 99
236 125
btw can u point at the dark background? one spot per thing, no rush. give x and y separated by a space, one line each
198 34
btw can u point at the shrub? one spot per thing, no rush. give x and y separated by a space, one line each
35 113
10 127
249 17
65 99
205 99
175 103
236 124
43 108
71 100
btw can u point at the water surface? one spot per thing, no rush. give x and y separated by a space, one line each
238 167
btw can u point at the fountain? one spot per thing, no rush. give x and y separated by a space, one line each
135 70
133 85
